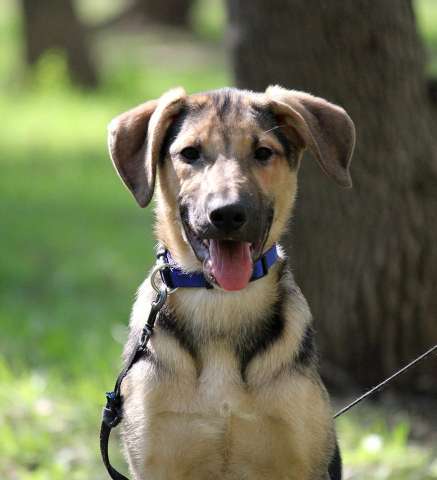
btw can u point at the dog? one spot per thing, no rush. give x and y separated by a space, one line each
229 388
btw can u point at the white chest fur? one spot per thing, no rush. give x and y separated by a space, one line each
216 427
196 418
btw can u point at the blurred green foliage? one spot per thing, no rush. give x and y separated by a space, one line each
74 246
426 14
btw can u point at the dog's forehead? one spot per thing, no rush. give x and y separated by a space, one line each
227 120
228 107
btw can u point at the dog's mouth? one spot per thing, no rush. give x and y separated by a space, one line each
229 263
226 262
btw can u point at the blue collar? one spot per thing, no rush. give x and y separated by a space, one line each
174 277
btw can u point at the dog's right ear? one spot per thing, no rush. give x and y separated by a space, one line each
135 139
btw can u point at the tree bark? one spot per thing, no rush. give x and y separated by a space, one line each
366 259
53 24
175 13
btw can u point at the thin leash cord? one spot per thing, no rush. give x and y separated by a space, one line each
385 382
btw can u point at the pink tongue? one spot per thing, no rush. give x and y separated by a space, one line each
231 263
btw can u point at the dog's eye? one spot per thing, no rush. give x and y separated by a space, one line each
190 154
262 154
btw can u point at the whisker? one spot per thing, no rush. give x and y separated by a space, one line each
274 128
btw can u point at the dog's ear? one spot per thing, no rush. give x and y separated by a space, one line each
326 129
135 139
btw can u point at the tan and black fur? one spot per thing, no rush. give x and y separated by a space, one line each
230 388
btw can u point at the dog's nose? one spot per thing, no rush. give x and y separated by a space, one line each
228 218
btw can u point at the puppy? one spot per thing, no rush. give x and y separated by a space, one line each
229 388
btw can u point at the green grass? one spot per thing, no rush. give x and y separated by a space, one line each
74 247
426 14
375 447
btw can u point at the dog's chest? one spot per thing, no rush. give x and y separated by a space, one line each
216 389
211 426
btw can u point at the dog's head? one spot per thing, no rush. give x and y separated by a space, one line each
226 163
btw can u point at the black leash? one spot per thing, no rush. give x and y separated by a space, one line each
113 411
386 381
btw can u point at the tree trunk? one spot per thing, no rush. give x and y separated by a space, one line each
366 259
53 24
175 13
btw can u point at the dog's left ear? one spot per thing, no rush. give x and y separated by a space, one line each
135 139
326 129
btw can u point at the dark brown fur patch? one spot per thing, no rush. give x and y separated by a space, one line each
268 122
307 351
167 323
260 337
223 102
173 132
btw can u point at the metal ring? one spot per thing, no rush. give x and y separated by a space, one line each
155 272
